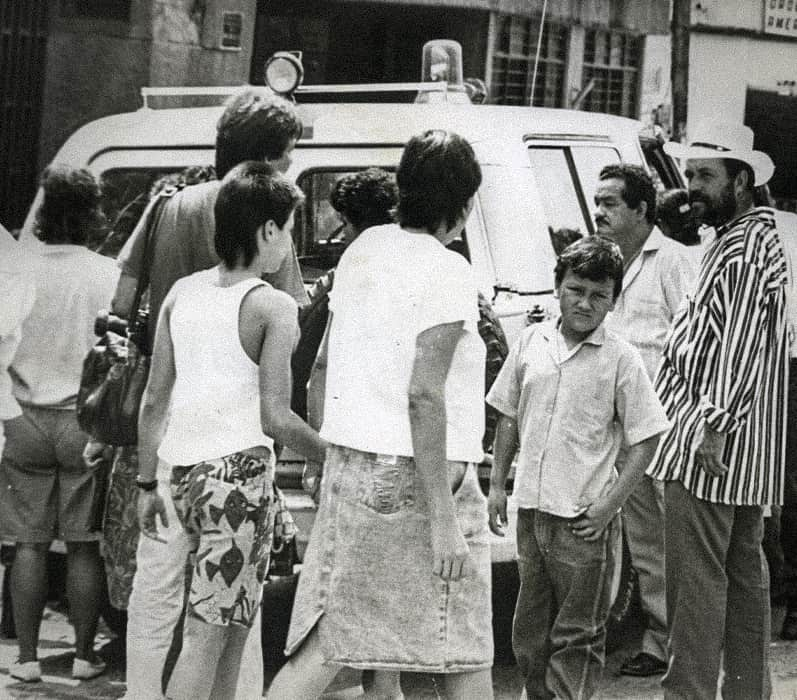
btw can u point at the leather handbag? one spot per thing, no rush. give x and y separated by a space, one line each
116 369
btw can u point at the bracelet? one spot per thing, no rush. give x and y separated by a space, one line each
146 485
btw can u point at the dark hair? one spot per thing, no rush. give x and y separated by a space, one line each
251 194
70 211
675 215
257 124
594 257
733 167
192 175
366 198
436 177
638 187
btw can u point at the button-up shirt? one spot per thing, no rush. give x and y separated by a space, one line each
653 287
573 409
725 366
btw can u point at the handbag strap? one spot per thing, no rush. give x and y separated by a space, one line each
153 220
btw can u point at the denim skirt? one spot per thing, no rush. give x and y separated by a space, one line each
367 580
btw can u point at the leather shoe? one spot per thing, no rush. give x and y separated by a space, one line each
789 629
643 664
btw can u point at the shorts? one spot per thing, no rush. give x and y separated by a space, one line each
46 490
227 506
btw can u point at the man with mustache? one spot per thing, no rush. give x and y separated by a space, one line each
657 273
723 384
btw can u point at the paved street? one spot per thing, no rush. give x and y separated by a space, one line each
56 652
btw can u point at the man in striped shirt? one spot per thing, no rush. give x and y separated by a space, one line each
722 382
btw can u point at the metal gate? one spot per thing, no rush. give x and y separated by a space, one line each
23 40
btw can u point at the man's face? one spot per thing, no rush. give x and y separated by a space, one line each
711 192
613 217
284 161
584 303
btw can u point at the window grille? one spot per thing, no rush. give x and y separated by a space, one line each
231 29
513 62
612 61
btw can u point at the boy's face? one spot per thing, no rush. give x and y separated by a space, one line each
584 303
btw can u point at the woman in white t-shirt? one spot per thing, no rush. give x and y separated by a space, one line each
218 396
397 573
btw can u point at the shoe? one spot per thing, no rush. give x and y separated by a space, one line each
789 629
643 664
84 670
29 671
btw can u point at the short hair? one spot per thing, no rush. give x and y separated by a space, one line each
257 124
70 210
366 198
436 177
594 257
638 187
251 194
733 167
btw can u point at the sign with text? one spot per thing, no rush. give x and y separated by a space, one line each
780 17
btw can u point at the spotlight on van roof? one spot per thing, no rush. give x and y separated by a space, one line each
284 72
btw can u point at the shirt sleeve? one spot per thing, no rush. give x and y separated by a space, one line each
448 295
504 395
741 310
638 407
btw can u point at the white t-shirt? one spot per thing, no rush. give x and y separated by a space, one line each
390 286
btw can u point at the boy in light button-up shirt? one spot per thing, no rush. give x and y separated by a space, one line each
569 393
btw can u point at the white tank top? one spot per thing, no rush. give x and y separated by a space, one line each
215 403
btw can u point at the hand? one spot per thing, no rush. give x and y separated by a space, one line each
311 479
96 452
150 505
708 455
449 551
594 520
496 509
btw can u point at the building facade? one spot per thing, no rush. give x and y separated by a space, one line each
743 66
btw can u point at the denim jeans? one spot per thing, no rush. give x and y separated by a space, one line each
559 629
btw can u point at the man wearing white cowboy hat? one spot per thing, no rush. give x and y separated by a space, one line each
723 383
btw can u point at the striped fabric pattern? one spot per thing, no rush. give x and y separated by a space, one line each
724 366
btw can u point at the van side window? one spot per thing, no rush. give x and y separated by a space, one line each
567 177
319 234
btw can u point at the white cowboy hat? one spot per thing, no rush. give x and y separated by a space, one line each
717 139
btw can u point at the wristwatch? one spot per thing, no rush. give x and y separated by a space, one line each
146 485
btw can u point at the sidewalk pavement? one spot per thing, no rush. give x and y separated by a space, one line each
56 653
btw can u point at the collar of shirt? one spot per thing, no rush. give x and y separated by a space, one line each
755 213
652 243
550 331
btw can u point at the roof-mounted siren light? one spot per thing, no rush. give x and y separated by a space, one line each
442 63
284 72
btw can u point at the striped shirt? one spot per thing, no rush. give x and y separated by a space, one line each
724 366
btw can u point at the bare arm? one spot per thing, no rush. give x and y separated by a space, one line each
504 450
593 521
434 350
152 421
276 417
124 296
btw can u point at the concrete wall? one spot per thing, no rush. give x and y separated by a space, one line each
738 14
96 67
722 66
